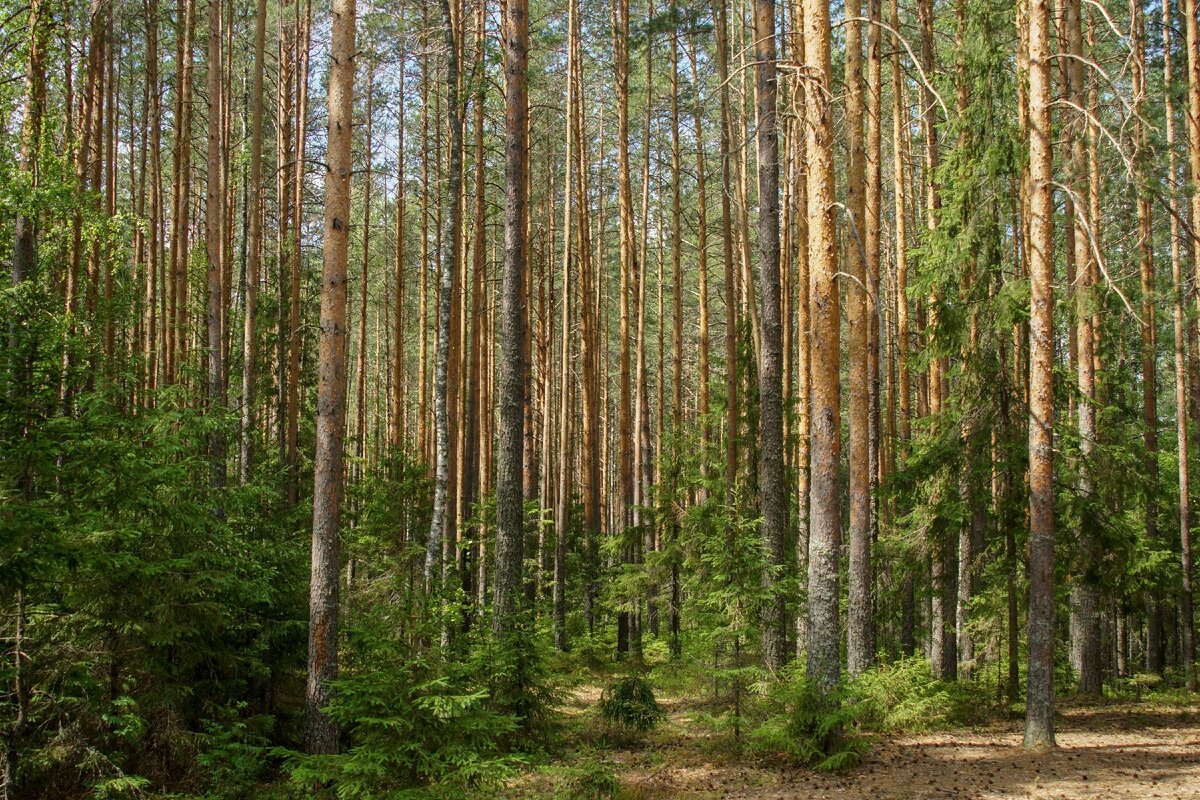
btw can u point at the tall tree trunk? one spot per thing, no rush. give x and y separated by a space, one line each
562 502
397 433
451 226
1039 704
589 338
944 574
474 407
860 647
772 485
731 311
824 640
904 376
180 197
510 515
423 310
254 246
25 254
320 730
360 382
1085 594
676 594
1145 234
628 266
1186 604
152 352
800 275
214 241
702 401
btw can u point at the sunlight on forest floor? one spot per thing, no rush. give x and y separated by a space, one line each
1109 751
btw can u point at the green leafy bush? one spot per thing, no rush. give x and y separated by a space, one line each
629 703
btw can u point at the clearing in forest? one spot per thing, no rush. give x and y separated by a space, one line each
1127 750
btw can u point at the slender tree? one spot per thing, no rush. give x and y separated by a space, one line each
510 515
772 485
1039 704
860 649
320 729
824 640
254 246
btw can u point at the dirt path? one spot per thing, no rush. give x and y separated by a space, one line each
1125 751
1114 753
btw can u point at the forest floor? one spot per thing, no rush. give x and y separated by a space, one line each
1116 750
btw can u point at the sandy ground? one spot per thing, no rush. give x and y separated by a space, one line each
1125 751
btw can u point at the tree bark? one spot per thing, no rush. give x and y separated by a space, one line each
253 247
773 492
1186 603
509 467
1145 240
824 658
1039 704
439 527
320 730
214 242
1085 594
860 647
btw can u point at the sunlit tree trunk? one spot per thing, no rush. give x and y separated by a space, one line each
1085 594
1039 704
320 729
589 337
451 226
904 376
180 198
860 648
824 657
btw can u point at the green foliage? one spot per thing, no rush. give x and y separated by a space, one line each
629 703
809 728
905 697
834 731
515 669
235 753
416 729
588 780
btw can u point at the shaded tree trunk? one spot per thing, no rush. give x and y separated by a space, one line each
772 485
253 246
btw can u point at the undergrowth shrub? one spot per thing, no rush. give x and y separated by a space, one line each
834 732
515 671
809 729
414 732
589 780
904 697
630 704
